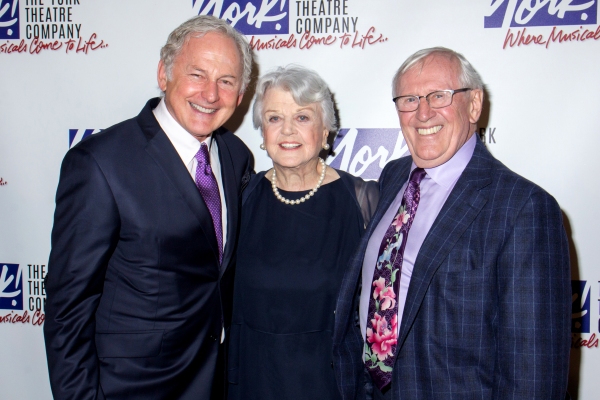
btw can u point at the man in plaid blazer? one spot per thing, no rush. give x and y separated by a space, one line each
484 297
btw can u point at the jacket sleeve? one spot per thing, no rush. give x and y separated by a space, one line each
533 326
84 235
367 196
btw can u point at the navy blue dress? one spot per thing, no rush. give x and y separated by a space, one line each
291 261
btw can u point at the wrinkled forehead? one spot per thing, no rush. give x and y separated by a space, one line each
435 67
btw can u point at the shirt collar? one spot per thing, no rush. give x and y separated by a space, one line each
448 173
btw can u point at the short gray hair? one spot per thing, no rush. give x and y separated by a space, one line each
468 76
197 27
305 86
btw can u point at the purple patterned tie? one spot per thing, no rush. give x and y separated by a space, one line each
382 320
207 185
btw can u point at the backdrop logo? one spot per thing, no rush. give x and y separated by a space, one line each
566 18
9 19
35 26
580 322
77 135
284 24
581 317
11 287
521 13
364 152
251 17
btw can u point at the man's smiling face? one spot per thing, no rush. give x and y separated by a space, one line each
433 136
203 87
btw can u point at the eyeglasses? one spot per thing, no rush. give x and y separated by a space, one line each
437 99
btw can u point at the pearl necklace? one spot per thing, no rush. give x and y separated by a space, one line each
304 198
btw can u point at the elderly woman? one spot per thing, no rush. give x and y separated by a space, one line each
301 222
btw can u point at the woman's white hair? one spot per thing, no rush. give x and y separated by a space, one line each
305 86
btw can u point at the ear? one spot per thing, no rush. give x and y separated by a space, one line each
325 136
239 100
475 105
161 76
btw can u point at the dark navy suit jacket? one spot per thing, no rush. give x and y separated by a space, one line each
136 298
487 314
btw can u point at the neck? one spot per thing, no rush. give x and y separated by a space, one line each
300 178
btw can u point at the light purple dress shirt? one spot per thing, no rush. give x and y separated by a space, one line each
435 189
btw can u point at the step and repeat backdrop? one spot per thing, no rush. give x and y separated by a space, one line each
70 68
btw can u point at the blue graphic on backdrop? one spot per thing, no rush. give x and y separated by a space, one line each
250 17
580 322
11 287
364 152
9 19
77 135
522 13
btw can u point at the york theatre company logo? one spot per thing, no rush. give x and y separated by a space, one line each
544 22
364 152
15 307
303 24
11 287
35 26
584 324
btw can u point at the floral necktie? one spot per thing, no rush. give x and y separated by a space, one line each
382 320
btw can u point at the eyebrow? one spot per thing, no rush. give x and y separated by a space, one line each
198 69
297 111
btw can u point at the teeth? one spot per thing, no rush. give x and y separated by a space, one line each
429 131
289 145
202 109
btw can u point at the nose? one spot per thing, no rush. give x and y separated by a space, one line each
424 112
211 92
288 127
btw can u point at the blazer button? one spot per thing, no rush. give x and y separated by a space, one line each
213 338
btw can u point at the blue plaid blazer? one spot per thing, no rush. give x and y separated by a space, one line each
488 309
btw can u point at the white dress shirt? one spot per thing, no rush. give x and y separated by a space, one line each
187 146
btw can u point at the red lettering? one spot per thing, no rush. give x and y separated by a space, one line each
38 318
70 45
275 43
509 39
307 40
90 44
38 45
355 42
592 341
344 39
577 342
13 48
13 318
554 36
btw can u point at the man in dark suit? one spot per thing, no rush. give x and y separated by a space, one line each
140 276
460 288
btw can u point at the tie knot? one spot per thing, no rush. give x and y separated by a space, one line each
202 155
417 175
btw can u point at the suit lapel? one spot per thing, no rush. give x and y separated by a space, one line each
159 147
231 197
460 209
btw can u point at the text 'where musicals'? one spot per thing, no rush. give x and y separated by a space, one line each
557 35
